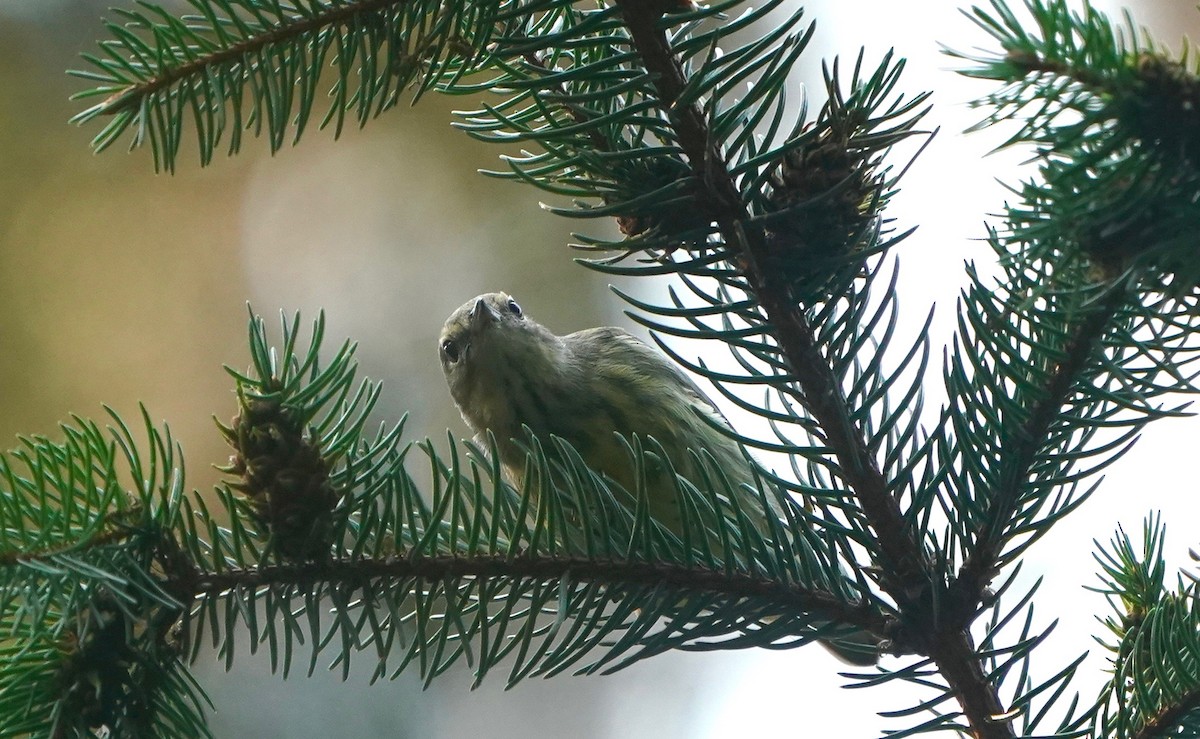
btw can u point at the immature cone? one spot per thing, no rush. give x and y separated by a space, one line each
683 218
284 477
95 673
1164 106
820 201
111 663
1148 220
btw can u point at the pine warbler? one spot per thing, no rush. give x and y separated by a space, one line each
506 370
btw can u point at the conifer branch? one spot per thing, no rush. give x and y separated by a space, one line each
616 573
1154 690
1166 723
983 563
905 571
296 27
825 400
576 112
16 556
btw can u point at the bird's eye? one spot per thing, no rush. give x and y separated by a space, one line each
514 308
450 349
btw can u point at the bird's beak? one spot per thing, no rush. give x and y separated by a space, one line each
482 314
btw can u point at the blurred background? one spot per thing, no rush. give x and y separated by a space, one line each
121 286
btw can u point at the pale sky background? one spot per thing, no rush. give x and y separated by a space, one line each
388 236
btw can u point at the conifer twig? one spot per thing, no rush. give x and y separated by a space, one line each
905 570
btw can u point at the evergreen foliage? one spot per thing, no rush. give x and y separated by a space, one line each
671 118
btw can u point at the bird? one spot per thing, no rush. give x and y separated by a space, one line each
507 372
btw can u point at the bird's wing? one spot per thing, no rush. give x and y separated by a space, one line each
608 337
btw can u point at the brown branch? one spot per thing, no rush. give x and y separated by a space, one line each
906 573
822 394
127 97
1032 63
954 653
788 597
1168 719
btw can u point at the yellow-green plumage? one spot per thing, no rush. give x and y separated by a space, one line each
506 371
582 387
